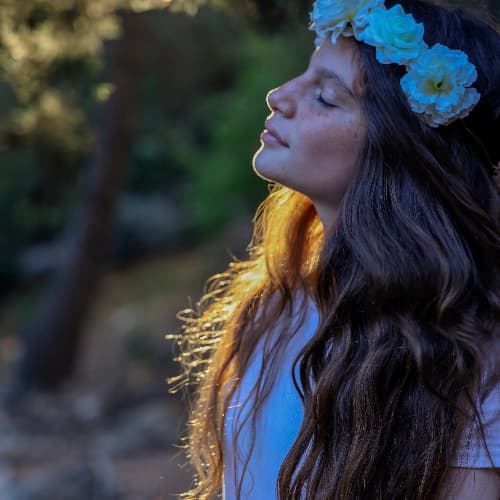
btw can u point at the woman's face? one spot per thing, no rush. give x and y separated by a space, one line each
320 126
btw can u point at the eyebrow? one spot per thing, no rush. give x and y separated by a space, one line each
328 74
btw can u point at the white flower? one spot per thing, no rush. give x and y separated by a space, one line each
341 17
438 85
396 35
438 80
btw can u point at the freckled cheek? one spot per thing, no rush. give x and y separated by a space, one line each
326 144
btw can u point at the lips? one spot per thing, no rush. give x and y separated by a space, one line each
275 133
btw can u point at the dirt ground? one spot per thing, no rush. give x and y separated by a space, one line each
114 430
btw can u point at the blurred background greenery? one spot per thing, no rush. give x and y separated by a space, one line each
127 129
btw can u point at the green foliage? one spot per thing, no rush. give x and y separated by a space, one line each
220 169
50 66
200 128
201 105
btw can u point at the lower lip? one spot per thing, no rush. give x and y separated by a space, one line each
269 138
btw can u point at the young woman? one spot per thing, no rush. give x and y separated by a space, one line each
354 354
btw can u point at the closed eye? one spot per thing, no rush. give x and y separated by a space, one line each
320 99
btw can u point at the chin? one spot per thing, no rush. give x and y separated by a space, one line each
264 167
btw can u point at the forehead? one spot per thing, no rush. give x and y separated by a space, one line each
340 60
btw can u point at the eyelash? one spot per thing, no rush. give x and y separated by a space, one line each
320 99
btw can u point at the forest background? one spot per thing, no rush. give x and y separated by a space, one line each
127 129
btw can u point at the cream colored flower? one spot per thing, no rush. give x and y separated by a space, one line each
396 35
341 17
438 85
438 82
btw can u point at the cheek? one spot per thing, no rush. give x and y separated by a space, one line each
330 155
332 144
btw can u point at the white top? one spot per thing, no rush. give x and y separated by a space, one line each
280 417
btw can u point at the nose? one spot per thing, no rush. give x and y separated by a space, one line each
282 99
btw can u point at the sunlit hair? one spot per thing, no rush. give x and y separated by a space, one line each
407 286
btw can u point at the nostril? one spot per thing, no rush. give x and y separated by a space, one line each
272 100
281 99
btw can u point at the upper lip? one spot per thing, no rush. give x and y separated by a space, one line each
273 131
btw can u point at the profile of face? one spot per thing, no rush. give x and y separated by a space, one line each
317 128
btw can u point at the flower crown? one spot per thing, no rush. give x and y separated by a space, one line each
438 80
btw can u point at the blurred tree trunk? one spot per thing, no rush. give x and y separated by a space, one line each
51 341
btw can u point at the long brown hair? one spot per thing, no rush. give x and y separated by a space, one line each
407 286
